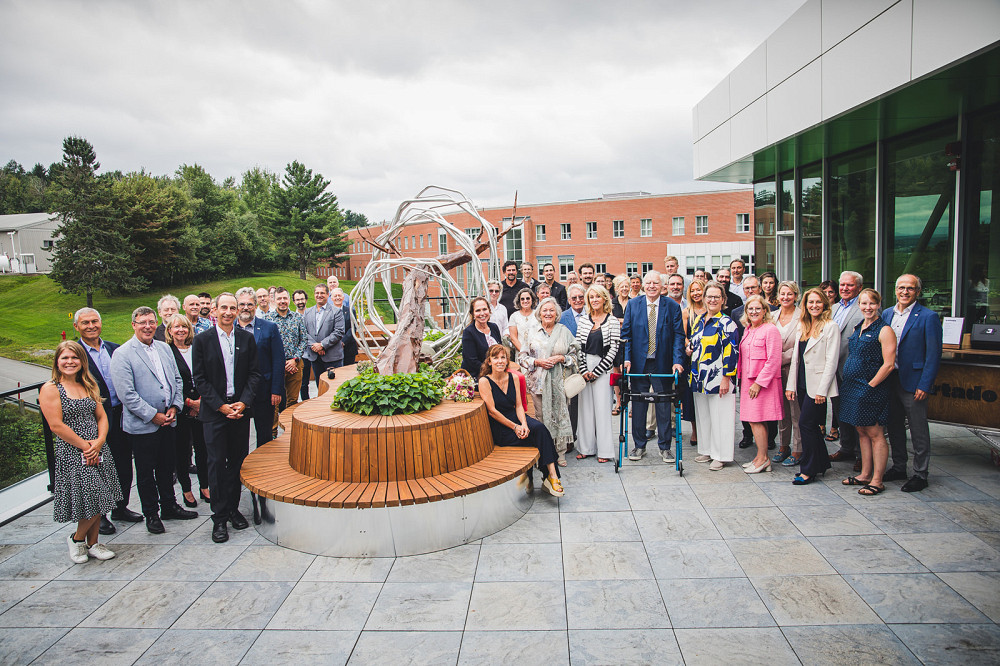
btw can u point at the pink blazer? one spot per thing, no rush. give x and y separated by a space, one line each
760 355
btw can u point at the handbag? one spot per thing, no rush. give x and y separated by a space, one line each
574 384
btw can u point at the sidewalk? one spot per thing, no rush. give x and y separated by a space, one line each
640 567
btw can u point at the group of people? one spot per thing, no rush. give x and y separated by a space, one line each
187 382
787 354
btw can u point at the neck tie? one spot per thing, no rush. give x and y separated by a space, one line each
652 330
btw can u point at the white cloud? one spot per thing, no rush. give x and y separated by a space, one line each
559 100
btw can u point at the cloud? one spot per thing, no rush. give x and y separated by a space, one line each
559 100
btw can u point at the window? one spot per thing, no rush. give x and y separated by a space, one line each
646 228
678 226
618 228
591 230
442 242
742 222
851 237
600 268
473 233
564 231
513 247
631 268
542 260
647 266
691 267
429 243
406 242
421 237
701 224
565 265
47 244
539 232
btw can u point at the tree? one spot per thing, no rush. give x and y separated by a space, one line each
92 251
256 190
305 219
354 220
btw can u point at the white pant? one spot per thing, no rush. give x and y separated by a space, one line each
594 425
715 416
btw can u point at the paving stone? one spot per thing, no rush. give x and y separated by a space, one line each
517 606
327 605
421 606
187 646
848 644
528 648
646 646
902 599
615 604
714 602
965 644
300 647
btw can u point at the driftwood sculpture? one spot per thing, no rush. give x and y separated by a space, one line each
403 351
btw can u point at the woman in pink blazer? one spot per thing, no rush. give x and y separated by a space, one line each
761 392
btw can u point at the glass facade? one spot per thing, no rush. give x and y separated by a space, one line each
764 211
811 224
980 275
851 228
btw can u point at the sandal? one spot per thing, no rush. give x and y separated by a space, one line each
581 456
603 460
616 410
854 481
870 490
833 436
562 462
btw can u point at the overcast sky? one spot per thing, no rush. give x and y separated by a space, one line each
558 100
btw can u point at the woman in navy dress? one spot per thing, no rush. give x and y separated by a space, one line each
864 396
509 424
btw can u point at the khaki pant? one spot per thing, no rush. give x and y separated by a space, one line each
293 382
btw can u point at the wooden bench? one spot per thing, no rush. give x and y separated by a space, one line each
335 459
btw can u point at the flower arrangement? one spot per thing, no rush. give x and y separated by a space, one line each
460 387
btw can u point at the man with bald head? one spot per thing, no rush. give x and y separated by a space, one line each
192 308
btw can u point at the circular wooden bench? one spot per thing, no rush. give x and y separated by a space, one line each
440 464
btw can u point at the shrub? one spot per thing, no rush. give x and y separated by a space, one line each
22 445
431 336
401 393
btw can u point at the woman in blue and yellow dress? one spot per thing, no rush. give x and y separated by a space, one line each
714 350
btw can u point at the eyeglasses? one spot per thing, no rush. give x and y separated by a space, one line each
576 298
494 291
902 288
713 298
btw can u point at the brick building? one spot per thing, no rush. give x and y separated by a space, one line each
629 232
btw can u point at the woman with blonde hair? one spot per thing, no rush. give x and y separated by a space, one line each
188 435
760 377
622 294
786 318
598 337
695 309
86 485
812 378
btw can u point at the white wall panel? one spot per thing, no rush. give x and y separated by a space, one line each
945 32
749 129
713 150
843 17
795 104
872 61
795 44
713 110
748 82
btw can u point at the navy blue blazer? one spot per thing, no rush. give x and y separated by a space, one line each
270 358
95 371
474 347
669 334
918 350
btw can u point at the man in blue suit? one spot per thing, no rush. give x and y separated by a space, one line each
270 362
918 356
570 319
654 343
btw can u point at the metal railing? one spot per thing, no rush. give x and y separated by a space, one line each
14 396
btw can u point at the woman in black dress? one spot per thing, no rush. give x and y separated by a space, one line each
86 485
188 433
509 424
478 336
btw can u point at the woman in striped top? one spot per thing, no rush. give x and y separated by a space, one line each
598 336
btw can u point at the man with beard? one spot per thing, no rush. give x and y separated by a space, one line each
511 287
732 300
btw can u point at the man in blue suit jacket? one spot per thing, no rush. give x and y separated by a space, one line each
270 362
918 356
662 355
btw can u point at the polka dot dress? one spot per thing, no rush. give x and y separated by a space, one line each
82 491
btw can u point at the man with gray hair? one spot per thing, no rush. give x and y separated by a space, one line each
570 319
192 308
149 385
847 315
167 307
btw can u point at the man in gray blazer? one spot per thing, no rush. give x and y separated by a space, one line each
847 315
149 386
324 330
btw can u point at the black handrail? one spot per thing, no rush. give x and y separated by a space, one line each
50 451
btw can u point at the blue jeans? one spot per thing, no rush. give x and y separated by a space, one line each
664 424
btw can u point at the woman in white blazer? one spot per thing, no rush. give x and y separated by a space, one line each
812 378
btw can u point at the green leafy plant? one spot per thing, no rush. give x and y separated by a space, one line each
431 336
366 367
401 393
22 445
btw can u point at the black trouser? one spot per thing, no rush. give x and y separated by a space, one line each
154 469
574 413
121 451
815 458
663 415
772 431
189 434
227 442
263 418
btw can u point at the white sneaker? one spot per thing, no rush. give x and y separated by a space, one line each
703 459
636 453
667 457
716 465
101 552
77 550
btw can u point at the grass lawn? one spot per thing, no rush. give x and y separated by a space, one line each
34 314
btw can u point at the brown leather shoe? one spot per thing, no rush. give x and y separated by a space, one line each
842 456
857 465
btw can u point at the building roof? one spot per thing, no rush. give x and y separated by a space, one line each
26 221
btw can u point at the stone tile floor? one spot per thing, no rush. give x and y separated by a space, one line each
641 567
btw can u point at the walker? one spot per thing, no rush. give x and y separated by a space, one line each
651 398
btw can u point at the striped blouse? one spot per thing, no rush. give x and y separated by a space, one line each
611 338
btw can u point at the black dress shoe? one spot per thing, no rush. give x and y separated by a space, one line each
175 512
746 443
219 533
842 456
894 475
126 515
771 446
238 521
107 527
154 525
914 485
192 504
192 469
